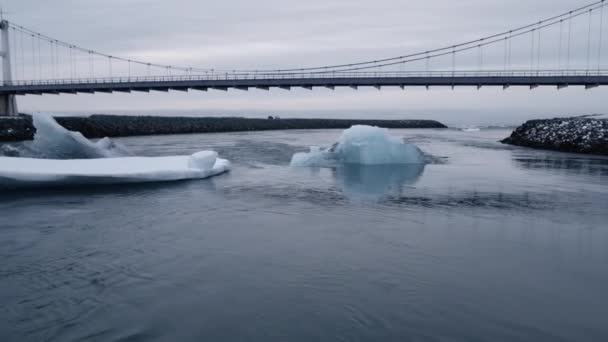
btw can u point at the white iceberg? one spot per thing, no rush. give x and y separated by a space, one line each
75 160
364 145
55 142
32 172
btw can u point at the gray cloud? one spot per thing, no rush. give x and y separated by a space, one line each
277 34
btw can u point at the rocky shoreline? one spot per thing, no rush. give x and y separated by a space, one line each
577 134
99 126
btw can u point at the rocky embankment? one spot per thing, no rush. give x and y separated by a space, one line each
99 126
580 135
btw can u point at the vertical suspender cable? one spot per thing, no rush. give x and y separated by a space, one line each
533 34
539 49
599 44
91 64
21 34
510 50
589 41
559 49
34 65
505 55
71 63
569 40
453 61
13 55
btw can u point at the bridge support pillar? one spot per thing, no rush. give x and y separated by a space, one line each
8 102
8 105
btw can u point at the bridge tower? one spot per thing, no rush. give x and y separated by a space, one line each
8 102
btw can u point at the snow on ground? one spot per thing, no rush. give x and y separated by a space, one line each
364 145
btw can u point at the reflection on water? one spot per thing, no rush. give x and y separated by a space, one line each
566 163
372 182
495 243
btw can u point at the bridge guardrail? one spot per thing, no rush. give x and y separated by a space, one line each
316 75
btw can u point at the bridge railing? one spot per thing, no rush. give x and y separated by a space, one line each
310 75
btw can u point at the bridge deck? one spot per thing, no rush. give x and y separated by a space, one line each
166 84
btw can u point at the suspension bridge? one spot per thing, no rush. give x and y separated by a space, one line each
560 51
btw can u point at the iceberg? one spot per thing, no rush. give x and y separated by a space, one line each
363 145
65 158
32 172
53 141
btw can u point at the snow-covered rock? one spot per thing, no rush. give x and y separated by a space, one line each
581 135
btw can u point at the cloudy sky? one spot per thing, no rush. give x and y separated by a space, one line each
286 33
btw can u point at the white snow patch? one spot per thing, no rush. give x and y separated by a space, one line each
31 172
365 145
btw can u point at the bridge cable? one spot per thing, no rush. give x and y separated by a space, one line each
71 64
538 53
589 41
569 41
35 65
110 65
504 62
532 46
377 61
599 47
510 51
21 45
559 50
453 61
13 57
40 58
91 64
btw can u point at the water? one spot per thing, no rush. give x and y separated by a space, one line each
489 243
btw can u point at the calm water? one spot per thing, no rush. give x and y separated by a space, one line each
491 243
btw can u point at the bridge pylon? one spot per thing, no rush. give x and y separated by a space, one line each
8 102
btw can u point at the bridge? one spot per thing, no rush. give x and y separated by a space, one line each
550 52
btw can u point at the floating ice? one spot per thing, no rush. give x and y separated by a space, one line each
31 172
365 145
53 141
78 161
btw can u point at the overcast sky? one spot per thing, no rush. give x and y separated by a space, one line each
281 33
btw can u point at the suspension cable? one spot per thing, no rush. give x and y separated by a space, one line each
589 40
374 63
599 45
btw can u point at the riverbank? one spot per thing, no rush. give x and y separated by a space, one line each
99 126
577 134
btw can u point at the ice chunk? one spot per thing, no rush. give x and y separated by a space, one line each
54 141
365 145
31 172
203 160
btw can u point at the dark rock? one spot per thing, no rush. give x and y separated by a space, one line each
16 128
578 134
99 126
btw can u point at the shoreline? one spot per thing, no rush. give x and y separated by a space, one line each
100 126
574 135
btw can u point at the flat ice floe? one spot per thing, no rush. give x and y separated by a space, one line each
363 145
32 172
70 159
